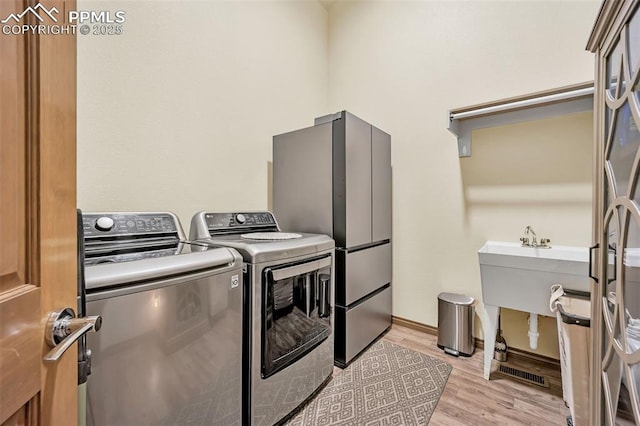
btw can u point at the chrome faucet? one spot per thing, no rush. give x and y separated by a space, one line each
533 242
529 230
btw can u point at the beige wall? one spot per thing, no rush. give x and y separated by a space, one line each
402 66
535 173
178 112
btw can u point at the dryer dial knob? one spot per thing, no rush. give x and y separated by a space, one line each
104 223
240 218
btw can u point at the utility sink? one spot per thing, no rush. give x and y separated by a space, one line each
520 277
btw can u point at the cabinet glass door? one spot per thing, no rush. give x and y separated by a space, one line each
619 284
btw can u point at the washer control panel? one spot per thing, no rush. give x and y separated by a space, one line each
100 224
254 220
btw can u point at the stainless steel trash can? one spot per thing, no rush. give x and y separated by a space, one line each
455 324
573 313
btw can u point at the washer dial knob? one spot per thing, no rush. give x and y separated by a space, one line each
104 223
240 218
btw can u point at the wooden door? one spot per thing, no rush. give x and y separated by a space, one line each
37 216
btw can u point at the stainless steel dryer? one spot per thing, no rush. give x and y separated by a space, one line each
170 348
288 309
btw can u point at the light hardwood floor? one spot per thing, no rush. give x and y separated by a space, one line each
469 399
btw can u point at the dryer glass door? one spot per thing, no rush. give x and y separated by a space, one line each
296 311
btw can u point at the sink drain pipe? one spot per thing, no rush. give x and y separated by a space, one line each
533 331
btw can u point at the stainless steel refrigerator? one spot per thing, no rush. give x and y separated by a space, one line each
335 178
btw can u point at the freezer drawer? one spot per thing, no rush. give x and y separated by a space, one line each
357 327
361 272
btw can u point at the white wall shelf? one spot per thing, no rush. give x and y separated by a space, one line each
535 106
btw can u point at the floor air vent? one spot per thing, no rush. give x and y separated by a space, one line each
524 375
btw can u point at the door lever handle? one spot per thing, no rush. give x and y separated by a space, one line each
63 329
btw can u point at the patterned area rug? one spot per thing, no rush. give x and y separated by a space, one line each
386 385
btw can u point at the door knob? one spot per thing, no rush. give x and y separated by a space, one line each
63 329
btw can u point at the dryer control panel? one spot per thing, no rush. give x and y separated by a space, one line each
246 221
